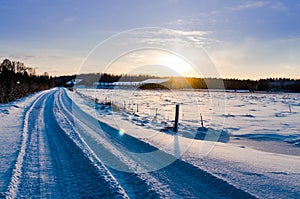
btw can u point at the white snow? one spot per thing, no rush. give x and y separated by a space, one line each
250 115
11 125
258 152
262 155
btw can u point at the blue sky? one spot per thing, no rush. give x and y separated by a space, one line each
244 39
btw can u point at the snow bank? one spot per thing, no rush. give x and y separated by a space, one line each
263 174
11 117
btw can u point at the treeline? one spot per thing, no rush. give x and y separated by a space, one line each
270 84
106 77
18 80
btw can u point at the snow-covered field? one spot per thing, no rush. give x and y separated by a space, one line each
256 116
61 144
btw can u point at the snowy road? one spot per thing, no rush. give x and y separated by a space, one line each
50 164
66 153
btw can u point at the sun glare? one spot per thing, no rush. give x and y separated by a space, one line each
177 64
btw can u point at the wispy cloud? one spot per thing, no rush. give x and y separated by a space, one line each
169 36
251 4
55 62
258 59
69 20
276 5
177 22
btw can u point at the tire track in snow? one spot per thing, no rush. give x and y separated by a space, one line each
17 170
77 176
50 165
134 185
71 131
181 179
38 179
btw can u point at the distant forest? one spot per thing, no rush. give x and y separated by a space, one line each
18 80
270 84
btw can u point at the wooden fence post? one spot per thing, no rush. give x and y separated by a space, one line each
175 128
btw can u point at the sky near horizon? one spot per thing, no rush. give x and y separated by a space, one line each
243 39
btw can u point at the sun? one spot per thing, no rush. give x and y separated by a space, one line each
179 65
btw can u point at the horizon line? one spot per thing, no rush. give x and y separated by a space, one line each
157 76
